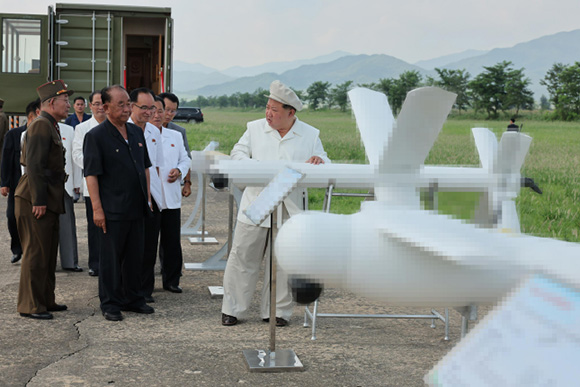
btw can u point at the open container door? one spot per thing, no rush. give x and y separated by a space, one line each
24 59
145 41
84 48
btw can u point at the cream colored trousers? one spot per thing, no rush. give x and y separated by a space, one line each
249 248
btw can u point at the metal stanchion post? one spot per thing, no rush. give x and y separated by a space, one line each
283 360
272 197
272 288
202 240
230 221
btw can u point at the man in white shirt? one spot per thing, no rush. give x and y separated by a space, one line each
171 103
68 248
96 106
174 167
142 108
279 136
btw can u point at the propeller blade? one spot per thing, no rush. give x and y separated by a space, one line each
513 148
374 120
509 217
486 144
418 125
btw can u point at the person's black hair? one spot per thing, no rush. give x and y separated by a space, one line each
170 96
32 106
512 119
134 94
77 98
159 99
93 94
106 92
288 107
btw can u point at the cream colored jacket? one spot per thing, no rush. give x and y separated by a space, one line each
261 142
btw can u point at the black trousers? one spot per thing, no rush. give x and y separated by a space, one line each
93 236
170 254
152 225
120 265
15 245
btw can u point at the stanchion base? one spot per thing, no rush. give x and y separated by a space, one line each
204 241
218 266
216 291
191 231
283 360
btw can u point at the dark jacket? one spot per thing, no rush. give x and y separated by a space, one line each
120 168
43 156
10 165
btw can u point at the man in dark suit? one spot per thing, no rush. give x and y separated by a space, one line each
4 125
39 202
79 114
116 165
11 172
512 127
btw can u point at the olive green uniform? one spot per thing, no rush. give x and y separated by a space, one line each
41 185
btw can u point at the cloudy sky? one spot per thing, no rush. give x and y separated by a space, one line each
226 33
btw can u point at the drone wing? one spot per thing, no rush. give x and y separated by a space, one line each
444 237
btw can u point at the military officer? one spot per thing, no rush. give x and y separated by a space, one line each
39 200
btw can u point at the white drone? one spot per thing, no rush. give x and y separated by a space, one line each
392 249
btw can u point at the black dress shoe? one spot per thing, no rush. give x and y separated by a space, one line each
228 320
143 309
280 322
15 258
38 316
76 269
173 289
113 316
149 299
57 308
93 273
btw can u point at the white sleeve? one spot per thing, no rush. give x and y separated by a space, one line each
184 160
243 149
77 176
319 151
77 147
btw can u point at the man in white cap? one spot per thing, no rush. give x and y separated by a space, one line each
279 136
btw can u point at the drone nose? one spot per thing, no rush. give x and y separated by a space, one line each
304 290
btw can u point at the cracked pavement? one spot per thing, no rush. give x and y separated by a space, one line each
183 342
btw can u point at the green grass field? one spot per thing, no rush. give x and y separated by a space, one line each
553 162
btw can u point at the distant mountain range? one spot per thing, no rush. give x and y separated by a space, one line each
536 57
280 67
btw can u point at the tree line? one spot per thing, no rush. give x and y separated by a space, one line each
498 89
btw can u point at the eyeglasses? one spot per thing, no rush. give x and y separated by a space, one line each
97 104
150 108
